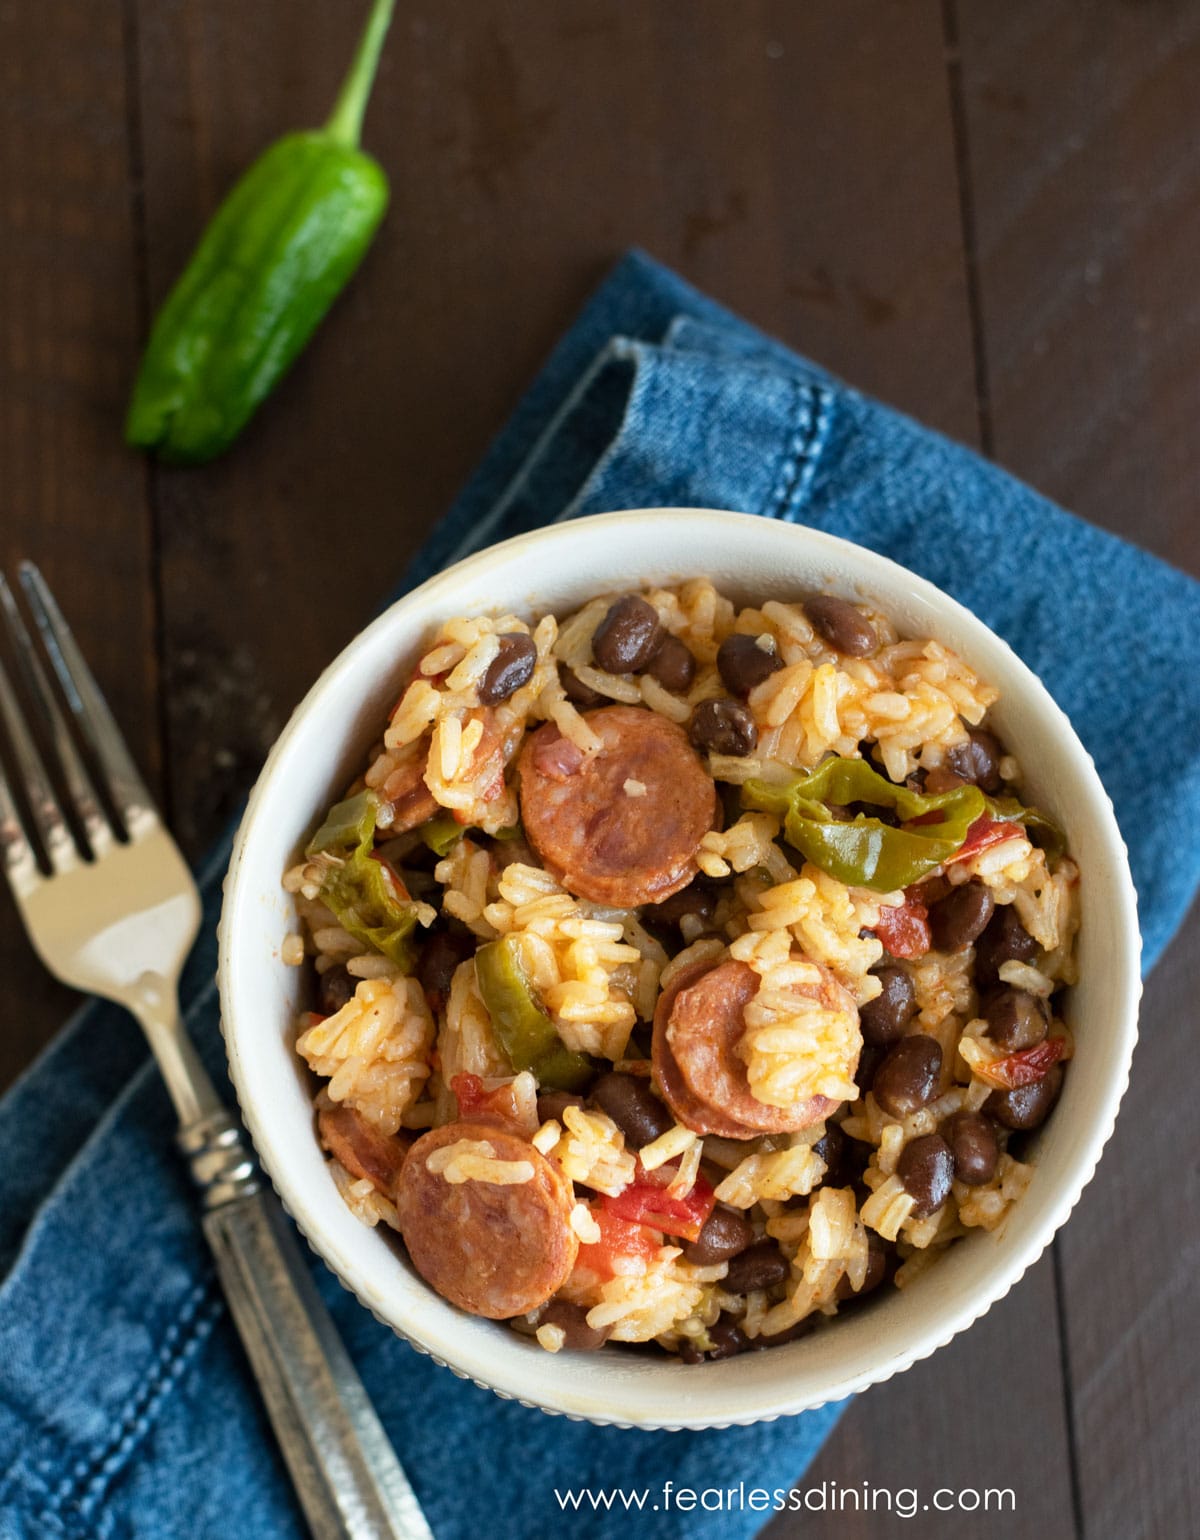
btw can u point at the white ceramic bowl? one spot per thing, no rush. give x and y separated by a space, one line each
749 558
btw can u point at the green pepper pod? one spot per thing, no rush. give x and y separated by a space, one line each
273 259
866 852
525 1031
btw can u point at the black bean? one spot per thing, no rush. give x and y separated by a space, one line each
1016 1019
697 898
959 919
440 956
877 1256
578 693
758 1267
908 1077
552 1105
511 668
926 1169
1004 940
842 626
673 666
727 1338
978 760
884 1018
869 1061
743 664
628 636
831 1148
726 1234
632 1106
572 1321
723 727
974 1145
1028 1106
334 988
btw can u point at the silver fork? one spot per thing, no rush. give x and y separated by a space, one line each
117 918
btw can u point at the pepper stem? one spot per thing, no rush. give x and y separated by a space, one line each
346 119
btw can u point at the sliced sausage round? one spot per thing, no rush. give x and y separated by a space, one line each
360 1147
603 842
494 1250
698 1024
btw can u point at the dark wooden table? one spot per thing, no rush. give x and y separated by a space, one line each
988 214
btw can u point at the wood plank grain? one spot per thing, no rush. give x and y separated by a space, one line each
984 1417
73 497
1083 126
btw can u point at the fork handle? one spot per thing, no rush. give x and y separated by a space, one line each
349 1482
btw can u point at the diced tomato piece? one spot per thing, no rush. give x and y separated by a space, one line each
985 831
904 931
935 815
647 1202
468 1089
618 1238
1027 1066
479 1104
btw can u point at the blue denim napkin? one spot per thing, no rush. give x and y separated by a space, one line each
125 1406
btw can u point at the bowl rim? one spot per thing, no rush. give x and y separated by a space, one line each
1010 1266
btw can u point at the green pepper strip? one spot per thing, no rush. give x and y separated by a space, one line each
441 833
526 1033
270 263
1041 829
866 852
346 824
358 888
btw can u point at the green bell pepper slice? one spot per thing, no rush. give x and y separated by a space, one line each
346 824
441 833
1041 829
866 852
526 1032
357 887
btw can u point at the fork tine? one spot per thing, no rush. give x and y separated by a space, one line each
129 791
79 787
43 804
16 851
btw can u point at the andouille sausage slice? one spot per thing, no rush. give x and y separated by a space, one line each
494 1250
687 1107
359 1146
621 828
697 1027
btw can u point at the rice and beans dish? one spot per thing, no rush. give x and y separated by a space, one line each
683 974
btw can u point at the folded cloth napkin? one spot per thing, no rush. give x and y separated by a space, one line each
126 1408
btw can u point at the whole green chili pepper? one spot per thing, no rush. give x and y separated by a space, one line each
274 257
526 1033
866 852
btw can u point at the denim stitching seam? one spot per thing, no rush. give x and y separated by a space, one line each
812 418
821 416
85 1484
